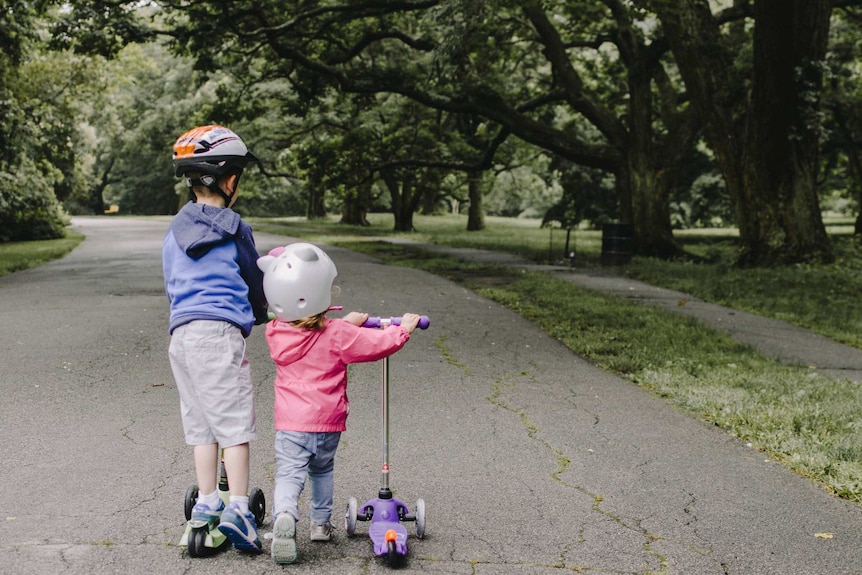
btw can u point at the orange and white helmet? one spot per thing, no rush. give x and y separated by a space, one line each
213 150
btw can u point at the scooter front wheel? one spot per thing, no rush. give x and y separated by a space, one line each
420 518
350 517
197 545
392 554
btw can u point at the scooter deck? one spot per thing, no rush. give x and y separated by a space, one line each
386 526
381 532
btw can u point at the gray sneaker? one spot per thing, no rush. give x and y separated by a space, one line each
321 532
283 547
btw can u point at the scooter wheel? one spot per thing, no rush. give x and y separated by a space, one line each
191 499
197 545
350 517
392 556
420 518
257 505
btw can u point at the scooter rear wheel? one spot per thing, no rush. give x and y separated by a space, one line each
190 500
257 505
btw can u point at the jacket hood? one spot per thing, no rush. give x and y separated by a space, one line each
198 227
295 342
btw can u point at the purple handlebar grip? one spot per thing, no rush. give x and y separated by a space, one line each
424 322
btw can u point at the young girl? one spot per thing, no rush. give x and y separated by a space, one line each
311 353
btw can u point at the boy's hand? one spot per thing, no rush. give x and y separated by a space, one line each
409 321
356 318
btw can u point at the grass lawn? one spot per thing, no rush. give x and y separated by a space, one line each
17 256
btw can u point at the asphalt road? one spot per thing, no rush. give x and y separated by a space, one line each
529 459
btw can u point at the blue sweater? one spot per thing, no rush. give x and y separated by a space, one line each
210 264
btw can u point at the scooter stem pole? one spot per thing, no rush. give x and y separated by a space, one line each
385 468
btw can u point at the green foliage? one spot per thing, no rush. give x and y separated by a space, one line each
28 208
842 100
702 204
98 27
38 147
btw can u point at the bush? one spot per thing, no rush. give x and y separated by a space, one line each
29 210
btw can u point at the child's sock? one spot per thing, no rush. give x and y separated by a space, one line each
210 500
241 502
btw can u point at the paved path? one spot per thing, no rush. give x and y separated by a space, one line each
530 460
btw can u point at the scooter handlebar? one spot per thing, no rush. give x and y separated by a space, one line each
378 322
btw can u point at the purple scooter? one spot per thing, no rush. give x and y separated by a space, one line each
385 512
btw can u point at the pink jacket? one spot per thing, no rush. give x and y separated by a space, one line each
311 370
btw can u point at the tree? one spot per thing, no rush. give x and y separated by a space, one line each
541 72
763 127
843 104
32 131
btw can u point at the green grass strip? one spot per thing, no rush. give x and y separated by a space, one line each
18 256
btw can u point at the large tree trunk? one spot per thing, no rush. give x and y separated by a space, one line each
354 209
402 210
782 140
770 167
430 192
315 209
643 195
476 210
653 235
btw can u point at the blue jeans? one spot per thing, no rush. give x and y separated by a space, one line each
300 455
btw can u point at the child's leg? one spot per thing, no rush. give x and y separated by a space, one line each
237 522
236 465
292 456
206 467
321 476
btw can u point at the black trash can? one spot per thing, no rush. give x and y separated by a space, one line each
617 244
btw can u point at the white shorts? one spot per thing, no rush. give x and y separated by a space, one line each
213 378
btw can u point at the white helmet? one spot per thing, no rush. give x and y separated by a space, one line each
297 280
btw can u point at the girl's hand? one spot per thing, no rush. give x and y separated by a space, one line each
356 318
409 321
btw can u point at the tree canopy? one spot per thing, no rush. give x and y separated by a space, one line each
657 113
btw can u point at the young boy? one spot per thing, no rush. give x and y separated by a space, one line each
216 295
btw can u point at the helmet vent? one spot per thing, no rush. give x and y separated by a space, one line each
307 254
